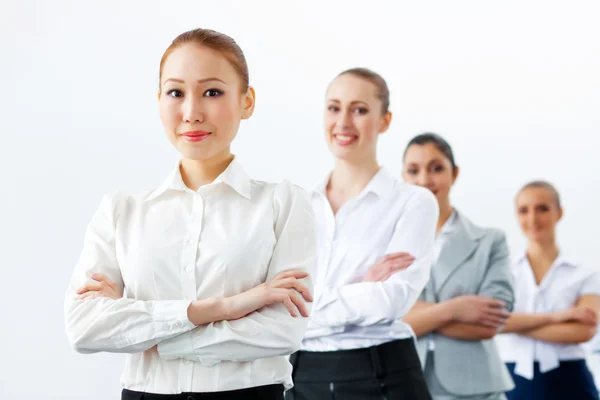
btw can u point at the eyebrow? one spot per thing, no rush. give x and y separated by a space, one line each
351 103
199 80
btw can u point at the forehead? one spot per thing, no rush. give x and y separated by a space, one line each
423 153
195 62
347 88
535 195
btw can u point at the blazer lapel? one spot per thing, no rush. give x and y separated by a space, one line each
460 246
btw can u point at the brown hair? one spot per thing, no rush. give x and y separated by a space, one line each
216 41
543 185
383 93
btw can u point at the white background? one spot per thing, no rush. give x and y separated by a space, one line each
513 85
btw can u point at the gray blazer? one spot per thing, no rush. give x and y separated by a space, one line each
473 260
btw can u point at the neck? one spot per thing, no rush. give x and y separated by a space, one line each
197 173
445 213
350 178
542 252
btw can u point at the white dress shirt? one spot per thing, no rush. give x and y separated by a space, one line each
386 217
171 246
440 240
559 290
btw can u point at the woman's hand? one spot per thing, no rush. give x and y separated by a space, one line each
479 310
285 288
100 286
584 315
388 266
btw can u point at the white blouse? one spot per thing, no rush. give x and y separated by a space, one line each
559 290
171 246
388 216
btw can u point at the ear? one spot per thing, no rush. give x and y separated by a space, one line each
455 174
385 123
560 214
248 102
158 94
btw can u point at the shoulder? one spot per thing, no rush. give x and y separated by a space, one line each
488 234
282 191
415 196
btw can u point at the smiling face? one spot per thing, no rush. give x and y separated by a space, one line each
538 212
353 118
201 102
426 166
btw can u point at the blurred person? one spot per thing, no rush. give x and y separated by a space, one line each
375 246
469 294
556 308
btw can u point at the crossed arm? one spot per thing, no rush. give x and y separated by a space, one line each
471 317
258 323
574 325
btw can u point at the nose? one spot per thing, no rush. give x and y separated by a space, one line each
192 111
344 120
531 218
423 180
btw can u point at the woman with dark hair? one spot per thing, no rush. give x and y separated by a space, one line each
375 244
556 308
203 281
469 294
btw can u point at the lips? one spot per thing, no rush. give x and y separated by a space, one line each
195 136
345 139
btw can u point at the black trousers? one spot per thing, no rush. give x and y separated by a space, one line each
270 392
390 371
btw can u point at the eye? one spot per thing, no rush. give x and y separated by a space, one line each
411 171
333 109
543 208
437 168
175 93
522 210
213 93
361 111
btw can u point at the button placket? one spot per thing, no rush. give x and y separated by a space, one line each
190 253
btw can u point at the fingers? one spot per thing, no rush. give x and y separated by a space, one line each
89 295
393 256
291 300
103 278
290 306
495 302
89 286
99 281
389 268
298 303
291 274
293 283
492 324
497 312
494 321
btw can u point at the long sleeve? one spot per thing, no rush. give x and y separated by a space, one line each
370 303
270 331
498 280
124 325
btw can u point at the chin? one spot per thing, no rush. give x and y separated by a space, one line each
539 236
346 154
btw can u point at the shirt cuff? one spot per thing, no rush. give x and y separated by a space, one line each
170 317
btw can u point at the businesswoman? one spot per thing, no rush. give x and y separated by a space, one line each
556 308
202 281
375 245
469 292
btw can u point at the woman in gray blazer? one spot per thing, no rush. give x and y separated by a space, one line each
469 294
